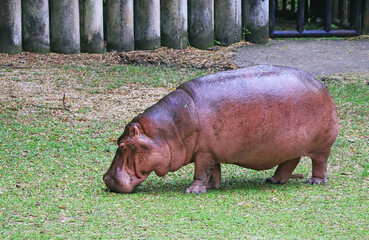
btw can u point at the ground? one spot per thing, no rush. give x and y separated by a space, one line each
318 57
60 116
338 58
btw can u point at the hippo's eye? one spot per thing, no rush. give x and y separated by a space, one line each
122 146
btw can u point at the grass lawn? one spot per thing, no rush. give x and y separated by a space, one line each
57 129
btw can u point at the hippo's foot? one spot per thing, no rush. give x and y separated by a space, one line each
284 171
207 174
197 189
213 185
275 180
317 181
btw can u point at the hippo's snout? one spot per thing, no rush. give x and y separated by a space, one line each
119 182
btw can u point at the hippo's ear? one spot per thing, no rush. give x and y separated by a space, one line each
134 130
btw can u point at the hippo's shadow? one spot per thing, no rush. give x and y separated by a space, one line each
234 184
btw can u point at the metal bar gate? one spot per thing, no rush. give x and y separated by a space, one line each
354 27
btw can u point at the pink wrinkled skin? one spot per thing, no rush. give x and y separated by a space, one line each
257 117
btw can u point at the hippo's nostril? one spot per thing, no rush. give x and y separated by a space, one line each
106 178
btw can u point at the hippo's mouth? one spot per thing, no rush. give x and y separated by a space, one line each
123 181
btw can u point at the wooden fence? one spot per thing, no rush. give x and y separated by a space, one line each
72 26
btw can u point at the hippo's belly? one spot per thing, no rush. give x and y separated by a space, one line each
260 131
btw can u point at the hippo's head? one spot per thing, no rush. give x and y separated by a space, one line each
139 153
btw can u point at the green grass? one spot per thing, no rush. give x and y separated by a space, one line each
51 176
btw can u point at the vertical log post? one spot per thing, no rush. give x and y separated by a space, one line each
345 13
335 12
255 18
272 13
356 15
64 26
173 23
301 11
228 21
201 23
293 6
120 28
328 15
365 27
35 26
147 24
10 26
92 29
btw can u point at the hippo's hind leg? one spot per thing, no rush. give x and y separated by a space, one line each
284 171
207 174
215 177
319 162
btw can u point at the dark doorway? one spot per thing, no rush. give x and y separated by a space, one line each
314 18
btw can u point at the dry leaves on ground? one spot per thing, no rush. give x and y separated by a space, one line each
215 58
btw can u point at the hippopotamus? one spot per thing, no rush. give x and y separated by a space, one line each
256 117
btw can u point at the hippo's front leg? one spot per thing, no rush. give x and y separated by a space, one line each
215 177
207 174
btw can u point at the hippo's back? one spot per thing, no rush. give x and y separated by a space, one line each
255 115
261 79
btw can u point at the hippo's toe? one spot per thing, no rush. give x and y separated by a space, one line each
196 189
317 181
275 181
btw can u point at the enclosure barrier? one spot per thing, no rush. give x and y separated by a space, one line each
91 26
71 26
365 17
256 20
345 15
10 26
35 26
174 32
228 24
120 30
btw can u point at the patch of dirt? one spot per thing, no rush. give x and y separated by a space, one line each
43 98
